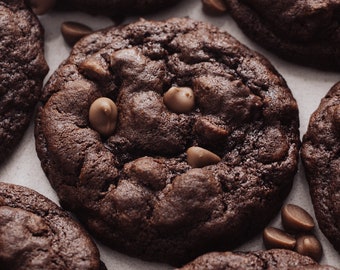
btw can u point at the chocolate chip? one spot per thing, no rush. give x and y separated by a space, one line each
73 31
128 59
198 157
40 7
95 67
310 246
276 238
179 99
103 116
296 219
214 6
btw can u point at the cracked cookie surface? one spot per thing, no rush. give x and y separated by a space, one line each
135 189
37 234
306 32
321 157
279 259
22 70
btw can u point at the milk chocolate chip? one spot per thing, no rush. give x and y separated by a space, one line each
179 99
73 31
310 246
198 157
276 238
214 6
40 7
103 116
296 219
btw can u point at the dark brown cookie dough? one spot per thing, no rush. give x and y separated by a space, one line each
306 32
37 234
279 259
321 158
117 7
22 69
135 189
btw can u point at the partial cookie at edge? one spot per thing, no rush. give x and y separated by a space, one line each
305 32
321 158
279 259
37 234
22 70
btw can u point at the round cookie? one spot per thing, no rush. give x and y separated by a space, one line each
37 234
280 259
306 32
22 70
321 158
118 7
135 189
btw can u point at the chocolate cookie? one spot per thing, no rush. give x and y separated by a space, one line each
22 69
321 159
37 234
279 259
202 166
306 32
117 7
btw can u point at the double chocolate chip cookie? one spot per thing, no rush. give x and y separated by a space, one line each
168 139
118 7
279 259
307 32
37 234
22 70
321 158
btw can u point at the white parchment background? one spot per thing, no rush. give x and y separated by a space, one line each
308 87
